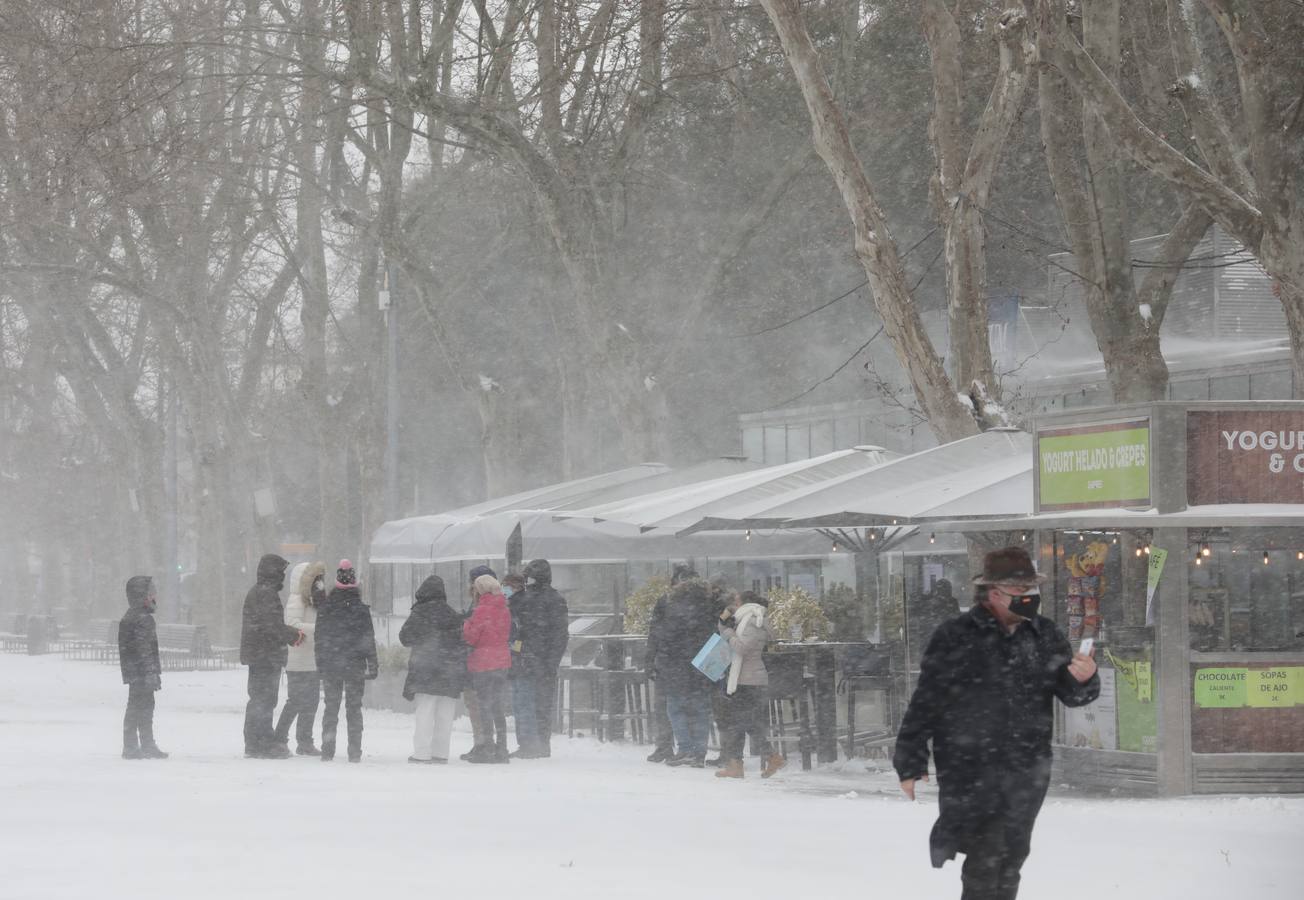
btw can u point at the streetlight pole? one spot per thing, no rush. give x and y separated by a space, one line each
171 560
389 304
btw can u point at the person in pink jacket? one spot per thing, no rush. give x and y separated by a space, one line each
487 633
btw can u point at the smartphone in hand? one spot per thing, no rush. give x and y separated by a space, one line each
1087 645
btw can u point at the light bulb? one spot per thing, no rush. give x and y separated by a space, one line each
749 534
932 539
1207 551
1147 549
1265 557
1138 551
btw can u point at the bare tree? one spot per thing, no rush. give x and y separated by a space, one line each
1249 140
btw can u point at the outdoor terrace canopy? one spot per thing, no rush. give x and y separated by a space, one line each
681 508
449 534
988 475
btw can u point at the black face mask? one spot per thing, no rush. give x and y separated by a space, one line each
1025 605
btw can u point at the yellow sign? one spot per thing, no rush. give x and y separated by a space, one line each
1273 688
1144 682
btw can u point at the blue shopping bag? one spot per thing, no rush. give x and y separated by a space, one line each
714 658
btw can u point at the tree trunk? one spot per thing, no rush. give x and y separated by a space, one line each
875 247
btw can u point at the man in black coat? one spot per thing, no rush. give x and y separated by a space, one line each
263 639
690 621
985 698
664 750
345 644
141 672
541 630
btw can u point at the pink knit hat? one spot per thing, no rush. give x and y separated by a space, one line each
345 576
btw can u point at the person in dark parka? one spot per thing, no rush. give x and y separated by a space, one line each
664 735
541 630
690 620
436 669
346 657
985 698
264 637
141 672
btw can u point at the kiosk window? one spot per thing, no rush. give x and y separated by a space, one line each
1246 589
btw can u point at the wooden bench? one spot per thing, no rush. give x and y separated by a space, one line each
13 639
34 634
98 642
185 647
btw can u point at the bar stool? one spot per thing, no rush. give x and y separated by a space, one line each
790 684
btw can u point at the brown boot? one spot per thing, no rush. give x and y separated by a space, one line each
732 768
773 763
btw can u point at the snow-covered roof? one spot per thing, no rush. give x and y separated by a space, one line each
468 532
574 541
683 507
989 474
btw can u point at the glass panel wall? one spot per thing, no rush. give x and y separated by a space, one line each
1246 622
1099 591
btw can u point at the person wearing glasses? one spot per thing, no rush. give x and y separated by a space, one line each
985 698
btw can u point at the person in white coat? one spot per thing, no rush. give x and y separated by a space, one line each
745 625
303 692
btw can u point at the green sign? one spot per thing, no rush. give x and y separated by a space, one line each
1095 465
1221 688
1274 688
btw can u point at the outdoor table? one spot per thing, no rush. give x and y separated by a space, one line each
821 660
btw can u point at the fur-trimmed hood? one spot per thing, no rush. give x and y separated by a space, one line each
309 573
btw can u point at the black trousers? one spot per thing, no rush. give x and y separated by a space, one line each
264 686
545 704
745 713
663 732
491 695
996 850
302 694
138 723
349 688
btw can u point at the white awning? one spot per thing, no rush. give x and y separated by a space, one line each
575 541
465 533
681 508
988 475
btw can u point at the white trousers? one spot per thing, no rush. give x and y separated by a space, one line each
434 726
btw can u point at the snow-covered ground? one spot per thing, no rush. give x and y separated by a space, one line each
77 821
